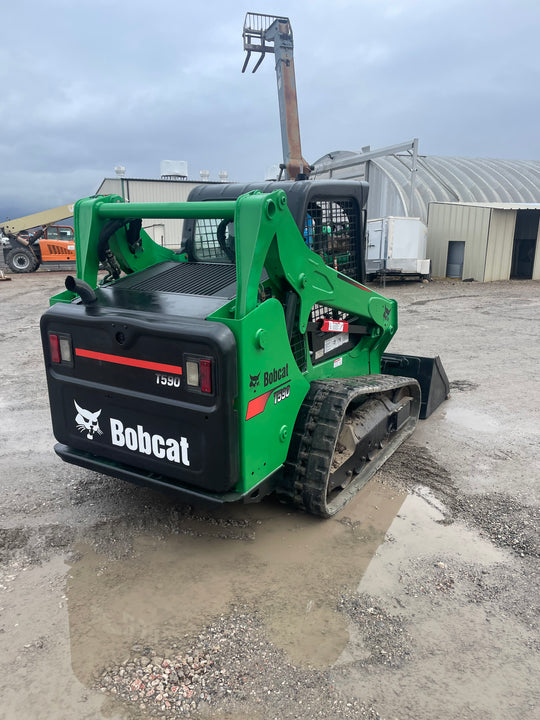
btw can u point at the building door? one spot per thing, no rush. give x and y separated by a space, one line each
525 236
454 262
375 252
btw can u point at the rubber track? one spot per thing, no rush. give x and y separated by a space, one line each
315 435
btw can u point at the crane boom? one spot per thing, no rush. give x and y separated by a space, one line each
270 34
46 217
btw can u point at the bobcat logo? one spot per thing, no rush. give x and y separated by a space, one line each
88 422
254 381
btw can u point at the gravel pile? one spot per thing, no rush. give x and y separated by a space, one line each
159 683
505 521
444 579
30 546
12 540
437 580
383 635
230 667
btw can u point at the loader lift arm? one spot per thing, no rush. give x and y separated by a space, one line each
264 240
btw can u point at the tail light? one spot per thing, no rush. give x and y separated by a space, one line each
199 374
205 367
60 346
192 373
54 344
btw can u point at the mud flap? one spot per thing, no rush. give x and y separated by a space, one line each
429 373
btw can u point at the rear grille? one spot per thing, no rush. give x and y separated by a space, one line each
187 278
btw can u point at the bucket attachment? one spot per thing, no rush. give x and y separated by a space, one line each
428 371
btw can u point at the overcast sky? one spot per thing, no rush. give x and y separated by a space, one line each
90 84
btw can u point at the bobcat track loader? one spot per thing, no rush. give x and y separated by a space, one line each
246 363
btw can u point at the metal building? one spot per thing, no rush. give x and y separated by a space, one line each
165 232
484 241
403 182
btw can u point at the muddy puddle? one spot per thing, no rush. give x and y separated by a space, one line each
290 566
299 574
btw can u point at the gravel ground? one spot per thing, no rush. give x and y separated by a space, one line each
419 600
498 515
230 667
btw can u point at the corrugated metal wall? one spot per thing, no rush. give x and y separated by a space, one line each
488 233
164 232
452 222
500 245
437 179
536 267
385 199
473 223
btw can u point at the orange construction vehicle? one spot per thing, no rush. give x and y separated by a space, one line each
34 239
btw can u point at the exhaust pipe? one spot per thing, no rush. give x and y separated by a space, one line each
82 288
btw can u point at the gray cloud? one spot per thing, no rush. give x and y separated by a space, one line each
88 85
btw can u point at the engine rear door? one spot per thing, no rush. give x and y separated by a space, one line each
144 389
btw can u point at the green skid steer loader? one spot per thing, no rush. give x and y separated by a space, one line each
246 363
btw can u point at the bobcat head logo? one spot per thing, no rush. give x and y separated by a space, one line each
254 380
88 422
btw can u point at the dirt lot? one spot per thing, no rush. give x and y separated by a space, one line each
420 600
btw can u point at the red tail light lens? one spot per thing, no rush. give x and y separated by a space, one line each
54 344
198 374
60 346
205 371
